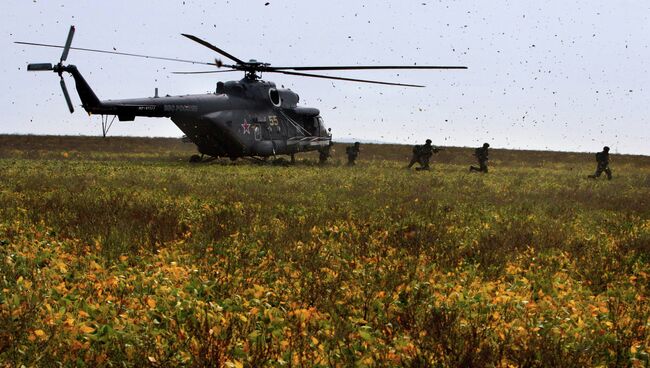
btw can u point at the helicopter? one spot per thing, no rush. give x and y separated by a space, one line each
250 117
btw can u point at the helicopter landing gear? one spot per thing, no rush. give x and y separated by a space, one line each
106 126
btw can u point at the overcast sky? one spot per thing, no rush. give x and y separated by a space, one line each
558 75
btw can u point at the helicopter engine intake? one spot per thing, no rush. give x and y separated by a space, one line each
284 98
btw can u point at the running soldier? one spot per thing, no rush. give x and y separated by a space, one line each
422 155
325 153
603 164
353 153
481 154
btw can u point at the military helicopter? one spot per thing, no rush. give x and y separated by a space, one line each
245 118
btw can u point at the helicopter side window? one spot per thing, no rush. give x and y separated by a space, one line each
258 132
309 125
317 125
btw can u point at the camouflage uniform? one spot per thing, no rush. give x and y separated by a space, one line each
422 155
603 164
353 153
481 154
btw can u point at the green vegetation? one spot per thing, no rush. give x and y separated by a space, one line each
119 252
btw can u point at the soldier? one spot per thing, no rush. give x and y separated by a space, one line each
603 164
353 153
325 153
422 155
481 154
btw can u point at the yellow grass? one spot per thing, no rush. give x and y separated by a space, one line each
119 252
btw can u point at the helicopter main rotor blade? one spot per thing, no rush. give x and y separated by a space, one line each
206 72
68 42
366 67
345 79
118 53
213 48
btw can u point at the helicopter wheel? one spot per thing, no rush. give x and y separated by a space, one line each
195 159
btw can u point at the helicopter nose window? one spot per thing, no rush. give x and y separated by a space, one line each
274 96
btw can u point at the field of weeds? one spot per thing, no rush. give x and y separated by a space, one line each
118 252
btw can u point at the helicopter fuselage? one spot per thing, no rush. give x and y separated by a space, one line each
249 117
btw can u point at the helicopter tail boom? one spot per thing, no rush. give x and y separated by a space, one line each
89 99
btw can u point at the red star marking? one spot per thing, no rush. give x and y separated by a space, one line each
246 127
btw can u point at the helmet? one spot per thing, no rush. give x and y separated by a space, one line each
486 145
356 143
428 141
606 149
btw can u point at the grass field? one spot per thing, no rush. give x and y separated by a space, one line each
117 252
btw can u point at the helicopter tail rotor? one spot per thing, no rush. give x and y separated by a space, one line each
68 42
58 68
66 95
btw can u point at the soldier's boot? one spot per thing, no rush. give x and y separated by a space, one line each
322 157
596 174
413 162
424 165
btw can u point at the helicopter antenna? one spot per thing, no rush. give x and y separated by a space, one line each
118 53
